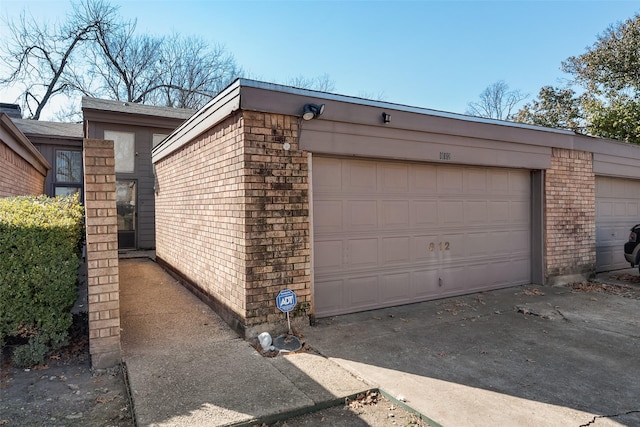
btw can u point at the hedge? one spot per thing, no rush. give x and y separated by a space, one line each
39 258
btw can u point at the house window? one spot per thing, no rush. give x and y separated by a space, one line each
68 179
158 138
124 148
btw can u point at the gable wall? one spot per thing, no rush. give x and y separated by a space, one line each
17 176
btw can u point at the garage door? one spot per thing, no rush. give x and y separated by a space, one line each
617 211
388 233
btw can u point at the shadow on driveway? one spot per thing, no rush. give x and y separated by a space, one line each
521 356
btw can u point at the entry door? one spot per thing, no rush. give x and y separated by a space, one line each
127 213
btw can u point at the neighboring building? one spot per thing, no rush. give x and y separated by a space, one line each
22 168
135 129
12 110
373 204
61 145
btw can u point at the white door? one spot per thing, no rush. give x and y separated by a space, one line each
617 210
390 233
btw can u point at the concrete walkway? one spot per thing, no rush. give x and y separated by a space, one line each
526 356
188 368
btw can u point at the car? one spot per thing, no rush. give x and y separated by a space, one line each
632 247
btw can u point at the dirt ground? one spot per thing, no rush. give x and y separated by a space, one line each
373 410
66 392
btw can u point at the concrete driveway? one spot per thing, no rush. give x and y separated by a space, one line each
525 356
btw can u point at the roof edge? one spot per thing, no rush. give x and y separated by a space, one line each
23 146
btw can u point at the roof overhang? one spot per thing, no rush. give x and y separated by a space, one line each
356 119
20 144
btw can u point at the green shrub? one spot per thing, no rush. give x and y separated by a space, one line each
30 354
39 248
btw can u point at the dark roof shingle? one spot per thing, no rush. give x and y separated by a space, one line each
42 128
134 108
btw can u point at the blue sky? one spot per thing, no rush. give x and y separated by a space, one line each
433 54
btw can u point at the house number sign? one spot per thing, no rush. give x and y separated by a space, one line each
445 156
441 246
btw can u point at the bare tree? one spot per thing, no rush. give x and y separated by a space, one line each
39 55
192 72
127 65
496 102
322 83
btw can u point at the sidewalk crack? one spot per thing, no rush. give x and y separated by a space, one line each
595 418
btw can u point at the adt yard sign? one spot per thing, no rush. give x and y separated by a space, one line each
286 300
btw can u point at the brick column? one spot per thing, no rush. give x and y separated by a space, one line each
277 218
570 193
102 252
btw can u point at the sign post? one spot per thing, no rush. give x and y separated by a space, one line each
286 301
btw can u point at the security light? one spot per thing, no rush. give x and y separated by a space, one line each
311 111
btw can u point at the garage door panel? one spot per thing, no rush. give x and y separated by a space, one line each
422 249
453 278
425 213
395 214
620 209
363 252
518 211
361 177
478 275
498 211
518 241
424 284
617 201
604 208
395 178
424 179
395 287
479 243
396 250
475 181
361 214
451 212
328 254
329 296
499 182
450 180
415 231
328 176
362 292
476 212
516 185
327 216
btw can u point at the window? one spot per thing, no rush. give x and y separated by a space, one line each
68 172
125 150
158 138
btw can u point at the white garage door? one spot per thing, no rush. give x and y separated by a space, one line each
617 211
389 233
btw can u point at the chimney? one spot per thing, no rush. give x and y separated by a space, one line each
11 110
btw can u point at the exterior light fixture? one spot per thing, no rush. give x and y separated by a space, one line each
386 118
311 111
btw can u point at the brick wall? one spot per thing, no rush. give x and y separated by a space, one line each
232 217
570 215
200 217
277 215
102 252
17 176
